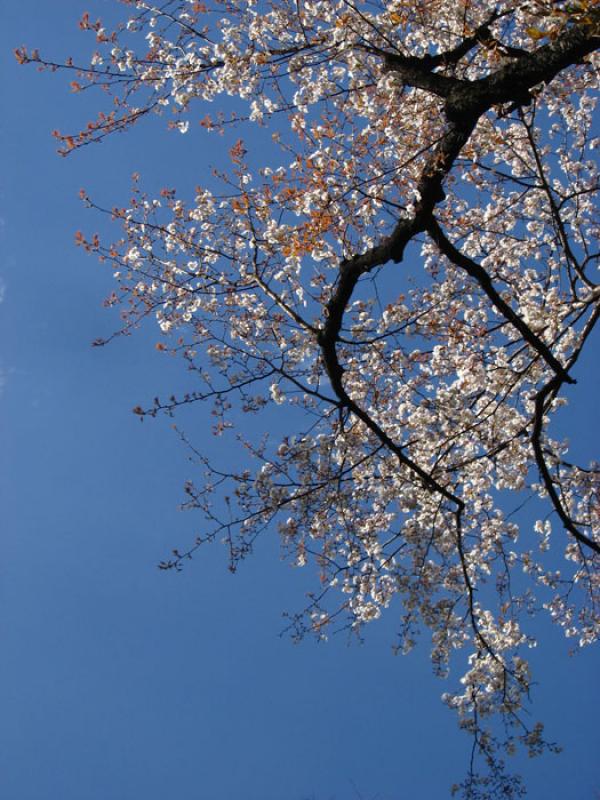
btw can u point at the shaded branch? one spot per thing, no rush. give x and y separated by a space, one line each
479 274
465 104
541 404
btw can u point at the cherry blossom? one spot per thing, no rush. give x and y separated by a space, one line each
409 275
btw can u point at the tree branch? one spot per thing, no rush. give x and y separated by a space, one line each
465 103
479 274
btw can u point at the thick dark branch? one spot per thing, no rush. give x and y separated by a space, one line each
512 82
464 105
345 400
477 272
413 73
542 401
536 441
417 71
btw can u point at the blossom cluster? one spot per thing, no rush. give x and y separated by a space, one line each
419 394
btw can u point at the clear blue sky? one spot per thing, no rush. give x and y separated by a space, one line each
119 682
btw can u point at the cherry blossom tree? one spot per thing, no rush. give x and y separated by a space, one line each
439 146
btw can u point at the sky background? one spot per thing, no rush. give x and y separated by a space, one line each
117 681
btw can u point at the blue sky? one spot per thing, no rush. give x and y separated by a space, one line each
119 682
